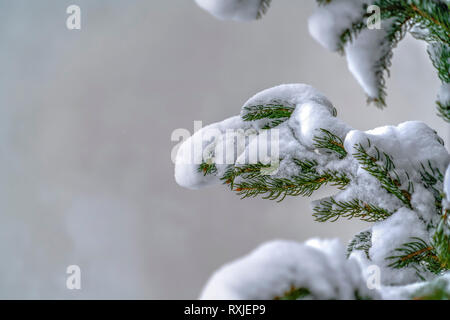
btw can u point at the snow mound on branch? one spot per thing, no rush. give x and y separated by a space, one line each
329 21
364 51
234 140
391 234
312 111
200 148
416 290
310 117
409 144
293 94
279 267
240 10
444 94
446 201
363 56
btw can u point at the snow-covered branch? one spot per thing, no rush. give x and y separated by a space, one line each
367 31
391 175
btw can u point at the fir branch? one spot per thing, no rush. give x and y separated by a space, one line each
383 172
432 16
304 293
207 168
304 183
248 171
441 241
394 34
348 35
437 289
276 111
362 241
331 210
306 166
263 7
432 176
294 294
323 2
417 254
439 54
330 142
443 111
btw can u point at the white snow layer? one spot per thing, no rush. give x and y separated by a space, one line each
279 267
364 51
391 234
312 112
446 201
329 21
240 10
409 144
201 147
363 55
444 94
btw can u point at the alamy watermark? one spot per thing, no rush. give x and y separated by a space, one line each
73 281
374 20
73 21
373 280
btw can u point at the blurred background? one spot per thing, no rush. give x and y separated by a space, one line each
86 119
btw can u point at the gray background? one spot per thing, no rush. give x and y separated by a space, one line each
85 124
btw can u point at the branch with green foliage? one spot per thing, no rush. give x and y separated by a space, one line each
424 19
332 161
391 176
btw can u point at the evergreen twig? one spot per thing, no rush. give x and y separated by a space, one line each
383 173
431 176
207 168
277 112
331 210
331 142
304 183
417 254
441 241
361 241
263 7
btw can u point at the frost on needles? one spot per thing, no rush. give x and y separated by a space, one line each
396 177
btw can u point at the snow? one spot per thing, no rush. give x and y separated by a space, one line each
391 234
240 10
409 144
328 22
415 290
312 111
423 203
275 268
289 94
363 56
319 265
201 147
444 94
447 188
308 118
364 51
